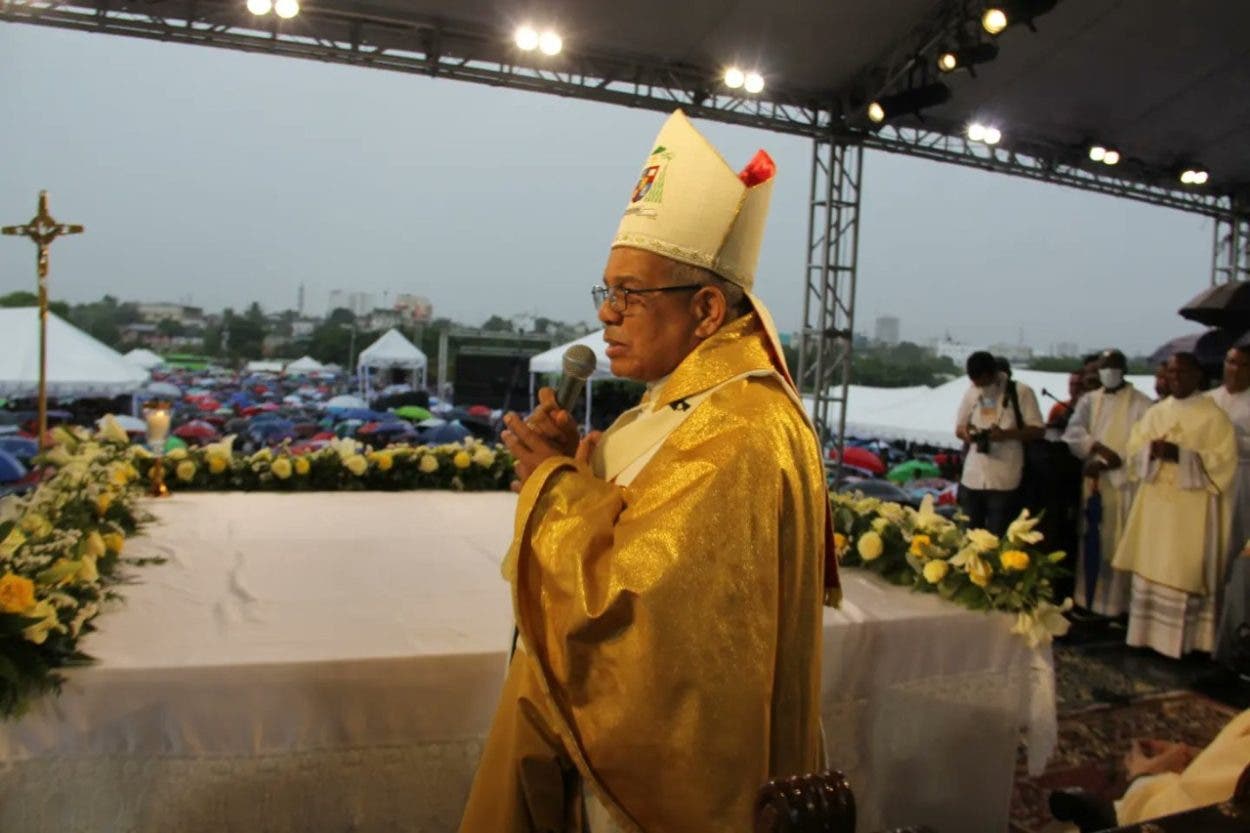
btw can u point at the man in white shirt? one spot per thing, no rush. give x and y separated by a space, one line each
1098 435
1233 397
987 421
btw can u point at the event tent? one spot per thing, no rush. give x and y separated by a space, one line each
552 361
143 358
391 351
307 364
261 366
78 365
927 415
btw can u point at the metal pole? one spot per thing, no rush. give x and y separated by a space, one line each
43 352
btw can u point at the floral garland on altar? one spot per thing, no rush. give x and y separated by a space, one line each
343 465
60 552
920 549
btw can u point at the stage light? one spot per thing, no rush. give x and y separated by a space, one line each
994 20
753 83
526 38
966 57
734 78
1000 14
1097 153
1201 177
976 132
286 9
259 7
907 102
549 43
993 135
1194 176
1111 157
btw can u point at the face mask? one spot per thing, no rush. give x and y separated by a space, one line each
1111 377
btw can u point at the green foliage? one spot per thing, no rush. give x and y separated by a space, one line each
900 365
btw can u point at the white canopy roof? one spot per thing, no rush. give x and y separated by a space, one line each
552 361
927 415
391 350
78 365
144 358
307 364
261 366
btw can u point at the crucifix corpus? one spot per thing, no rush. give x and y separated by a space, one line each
42 229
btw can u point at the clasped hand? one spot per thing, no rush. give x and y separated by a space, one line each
1164 450
550 431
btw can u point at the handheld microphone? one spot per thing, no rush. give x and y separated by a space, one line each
579 363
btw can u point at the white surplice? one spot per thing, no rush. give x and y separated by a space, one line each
1106 417
1175 541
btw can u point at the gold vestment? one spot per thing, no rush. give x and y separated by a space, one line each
671 629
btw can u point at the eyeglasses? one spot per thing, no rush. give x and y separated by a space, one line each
617 297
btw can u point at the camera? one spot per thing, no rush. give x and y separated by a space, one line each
981 440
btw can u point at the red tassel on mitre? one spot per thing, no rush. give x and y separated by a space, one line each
759 170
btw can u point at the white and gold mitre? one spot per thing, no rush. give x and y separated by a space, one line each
690 206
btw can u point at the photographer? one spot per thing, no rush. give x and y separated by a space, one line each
988 489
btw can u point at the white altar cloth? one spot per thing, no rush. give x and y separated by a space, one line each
327 662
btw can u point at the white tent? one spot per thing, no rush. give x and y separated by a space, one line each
307 364
391 351
552 361
927 415
143 358
78 365
262 366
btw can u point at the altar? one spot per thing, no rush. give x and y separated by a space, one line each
331 661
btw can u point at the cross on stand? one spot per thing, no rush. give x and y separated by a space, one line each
42 229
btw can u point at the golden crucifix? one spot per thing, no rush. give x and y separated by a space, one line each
43 230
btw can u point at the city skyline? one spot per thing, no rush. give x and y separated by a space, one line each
247 176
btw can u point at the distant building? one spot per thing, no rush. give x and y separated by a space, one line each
887 330
156 313
381 319
1014 353
415 308
1064 349
302 327
953 350
359 303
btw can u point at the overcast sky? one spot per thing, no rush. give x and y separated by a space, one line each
219 178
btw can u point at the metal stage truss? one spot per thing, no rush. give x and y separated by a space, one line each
827 335
392 37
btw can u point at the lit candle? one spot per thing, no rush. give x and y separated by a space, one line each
158 426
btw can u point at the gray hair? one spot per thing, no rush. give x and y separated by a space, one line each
735 297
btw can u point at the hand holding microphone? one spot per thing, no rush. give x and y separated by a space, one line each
550 430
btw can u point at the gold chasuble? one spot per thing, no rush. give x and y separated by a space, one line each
671 629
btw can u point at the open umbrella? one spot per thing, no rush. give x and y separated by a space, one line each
413 413
20 447
346 402
860 458
197 430
479 411
451 432
1209 347
162 390
1223 305
11 469
913 470
174 442
129 424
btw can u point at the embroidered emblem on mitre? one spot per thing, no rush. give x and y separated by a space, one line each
689 205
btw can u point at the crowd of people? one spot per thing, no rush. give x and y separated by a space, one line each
1151 494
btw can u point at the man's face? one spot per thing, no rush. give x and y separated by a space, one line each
656 331
1183 378
1076 385
985 379
1236 370
1090 374
1163 388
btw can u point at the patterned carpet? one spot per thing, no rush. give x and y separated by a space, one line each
1109 695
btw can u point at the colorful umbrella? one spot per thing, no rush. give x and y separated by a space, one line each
413 413
860 458
913 470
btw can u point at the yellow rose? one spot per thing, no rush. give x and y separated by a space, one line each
17 593
870 546
462 460
980 571
185 471
93 545
356 464
935 571
484 457
281 468
301 466
217 463
840 544
87 572
38 632
118 474
1015 560
12 541
102 503
428 464
919 544
384 461
114 541
177 454
36 525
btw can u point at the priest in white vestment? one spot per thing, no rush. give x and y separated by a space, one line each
1097 434
1234 398
1183 452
